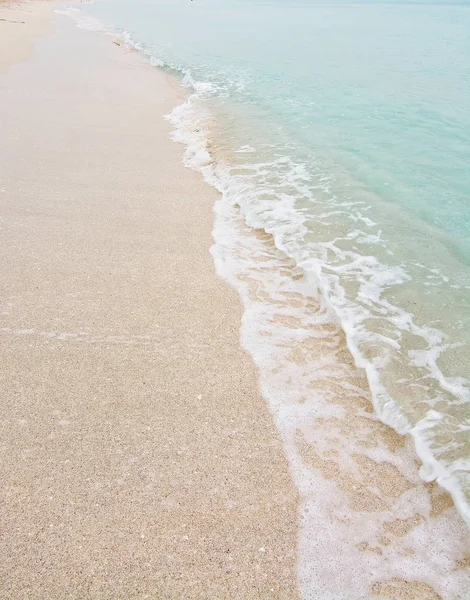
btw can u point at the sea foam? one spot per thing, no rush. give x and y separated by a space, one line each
366 517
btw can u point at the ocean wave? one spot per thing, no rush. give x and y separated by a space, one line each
268 194
295 335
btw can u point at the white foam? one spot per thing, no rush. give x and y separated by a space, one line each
265 206
340 549
83 20
330 563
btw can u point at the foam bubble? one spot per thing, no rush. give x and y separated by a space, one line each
365 516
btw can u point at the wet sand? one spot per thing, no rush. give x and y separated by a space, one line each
139 460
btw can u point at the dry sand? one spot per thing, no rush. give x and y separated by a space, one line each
20 24
138 459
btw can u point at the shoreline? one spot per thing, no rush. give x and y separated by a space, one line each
142 460
396 515
340 453
388 328
368 489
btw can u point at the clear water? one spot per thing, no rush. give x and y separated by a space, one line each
342 129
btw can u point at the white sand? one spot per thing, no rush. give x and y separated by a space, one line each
138 459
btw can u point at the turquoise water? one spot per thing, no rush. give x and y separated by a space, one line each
343 130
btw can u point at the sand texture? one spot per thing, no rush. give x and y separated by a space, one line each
138 459
20 24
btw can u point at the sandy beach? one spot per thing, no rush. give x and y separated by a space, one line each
17 43
138 458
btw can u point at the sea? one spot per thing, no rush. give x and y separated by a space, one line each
338 135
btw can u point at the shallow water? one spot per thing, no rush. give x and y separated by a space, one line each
342 130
